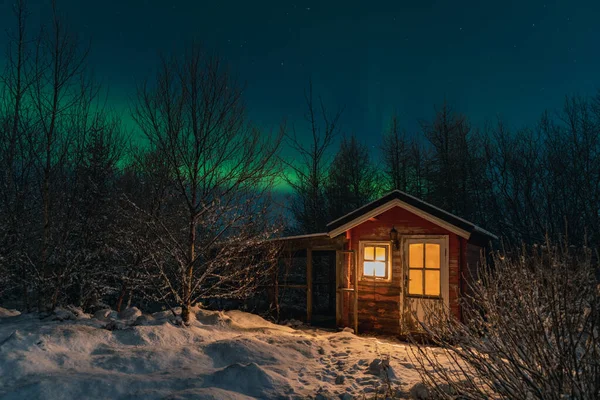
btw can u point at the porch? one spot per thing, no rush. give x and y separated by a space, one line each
316 281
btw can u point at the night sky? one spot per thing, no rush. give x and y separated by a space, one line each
503 58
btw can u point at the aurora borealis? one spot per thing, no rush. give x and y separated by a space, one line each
511 59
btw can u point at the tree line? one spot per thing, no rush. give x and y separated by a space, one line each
525 185
87 217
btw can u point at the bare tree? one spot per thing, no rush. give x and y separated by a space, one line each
531 331
222 168
62 97
353 179
15 156
93 237
148 192
455 167
396 156
309 171
572 161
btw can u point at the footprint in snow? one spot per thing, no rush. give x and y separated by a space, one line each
340 354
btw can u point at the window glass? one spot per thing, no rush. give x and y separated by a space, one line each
369 253
415 281
424 273
380 253
374 268
432 255
432 283
415 255
376 262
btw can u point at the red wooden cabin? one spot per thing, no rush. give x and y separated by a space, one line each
395 258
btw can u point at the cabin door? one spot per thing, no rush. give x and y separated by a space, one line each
346 289
425 272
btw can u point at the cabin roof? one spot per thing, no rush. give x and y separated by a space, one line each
425 210
299 237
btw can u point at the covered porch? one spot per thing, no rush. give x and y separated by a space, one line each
316 281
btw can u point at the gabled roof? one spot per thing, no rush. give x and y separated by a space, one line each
417 206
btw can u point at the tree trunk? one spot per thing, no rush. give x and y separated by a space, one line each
187 286
185 313
121 297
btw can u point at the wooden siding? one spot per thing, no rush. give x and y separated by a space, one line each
379 302
473 259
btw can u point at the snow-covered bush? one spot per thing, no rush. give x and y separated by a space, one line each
531 330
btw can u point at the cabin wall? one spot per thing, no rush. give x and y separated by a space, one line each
379 303
473 260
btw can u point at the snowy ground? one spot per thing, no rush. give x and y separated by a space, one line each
222 355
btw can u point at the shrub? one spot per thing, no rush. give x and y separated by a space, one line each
530 330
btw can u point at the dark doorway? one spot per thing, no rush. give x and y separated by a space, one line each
323 290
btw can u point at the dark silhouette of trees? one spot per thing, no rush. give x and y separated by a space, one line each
396 157
353 179
48 110
545 180
16 158
310 167
405 161
455 164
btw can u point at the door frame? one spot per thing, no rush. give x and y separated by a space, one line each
444 241
340 267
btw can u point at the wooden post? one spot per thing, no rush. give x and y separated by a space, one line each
355 259
309 284
339 303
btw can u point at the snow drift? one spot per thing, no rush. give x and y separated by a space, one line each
221 355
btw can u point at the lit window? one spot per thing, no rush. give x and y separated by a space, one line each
376 260
424 262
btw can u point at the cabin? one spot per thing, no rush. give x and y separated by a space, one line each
384 266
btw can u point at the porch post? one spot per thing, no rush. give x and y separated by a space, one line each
309 270
355 257
339 296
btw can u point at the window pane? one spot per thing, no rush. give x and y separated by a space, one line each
432 283
415 255
380 253
374 268
415 281
369 253
432 255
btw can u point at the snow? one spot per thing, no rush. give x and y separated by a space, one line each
220 355
8 313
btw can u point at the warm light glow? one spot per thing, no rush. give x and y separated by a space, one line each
432 283
415 281
380 253
415 256
369 253
374 268
432 256
375 261
424 261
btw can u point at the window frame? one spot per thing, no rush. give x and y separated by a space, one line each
388 267
442 241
